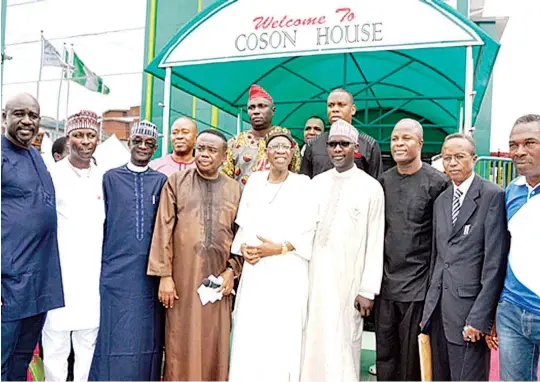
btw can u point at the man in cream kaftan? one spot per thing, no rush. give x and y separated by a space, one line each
81 213
347 261
273 293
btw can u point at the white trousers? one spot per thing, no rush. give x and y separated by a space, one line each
56 349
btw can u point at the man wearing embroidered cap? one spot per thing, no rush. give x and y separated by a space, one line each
130 341
346 264
247 151
81 212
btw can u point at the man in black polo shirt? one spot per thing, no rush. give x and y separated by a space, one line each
410 190
340 105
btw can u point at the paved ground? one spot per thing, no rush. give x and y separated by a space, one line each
368 356
367 359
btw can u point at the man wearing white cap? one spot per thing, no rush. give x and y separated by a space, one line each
346 264
130 341
81 213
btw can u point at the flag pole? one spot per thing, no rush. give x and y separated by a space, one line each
40 65
64 50
69 73
101 129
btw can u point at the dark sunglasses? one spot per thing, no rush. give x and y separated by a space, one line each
333 145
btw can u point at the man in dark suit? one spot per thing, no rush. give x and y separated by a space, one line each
315 159
470 246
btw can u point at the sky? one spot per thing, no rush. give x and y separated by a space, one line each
106 54
516 77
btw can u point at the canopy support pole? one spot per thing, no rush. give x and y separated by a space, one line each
166 112
461 117
344 70
469 93
239 121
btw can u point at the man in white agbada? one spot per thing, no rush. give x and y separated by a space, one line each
276 226
346 264
81 213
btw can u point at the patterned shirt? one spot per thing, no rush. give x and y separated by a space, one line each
246 154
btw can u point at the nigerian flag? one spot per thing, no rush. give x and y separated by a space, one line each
85 77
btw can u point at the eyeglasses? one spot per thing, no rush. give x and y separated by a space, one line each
280 146
343 145
458 157
139 142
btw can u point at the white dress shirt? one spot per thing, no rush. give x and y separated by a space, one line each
464 187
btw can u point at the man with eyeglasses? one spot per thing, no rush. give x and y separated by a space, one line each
470 245
192 241
367 155
130 340
410 189
347 262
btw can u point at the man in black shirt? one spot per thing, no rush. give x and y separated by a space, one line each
340 105
410 190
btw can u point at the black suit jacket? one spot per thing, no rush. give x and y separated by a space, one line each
316 160
469 259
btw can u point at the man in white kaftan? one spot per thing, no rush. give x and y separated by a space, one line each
271 306
81 214
346 264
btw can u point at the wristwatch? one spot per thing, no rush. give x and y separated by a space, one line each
284 248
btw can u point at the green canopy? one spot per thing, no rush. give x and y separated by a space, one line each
398 58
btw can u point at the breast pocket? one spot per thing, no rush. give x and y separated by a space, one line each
417 210
12 191
355 213
151 205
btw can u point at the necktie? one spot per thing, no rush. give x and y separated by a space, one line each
456 205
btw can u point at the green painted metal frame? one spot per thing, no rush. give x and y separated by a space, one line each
369 93
198 120
498 170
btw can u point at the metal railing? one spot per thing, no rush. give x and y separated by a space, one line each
496 169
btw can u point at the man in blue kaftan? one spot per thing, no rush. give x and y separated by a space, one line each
131 332
31 278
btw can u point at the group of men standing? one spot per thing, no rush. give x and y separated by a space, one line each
427 252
